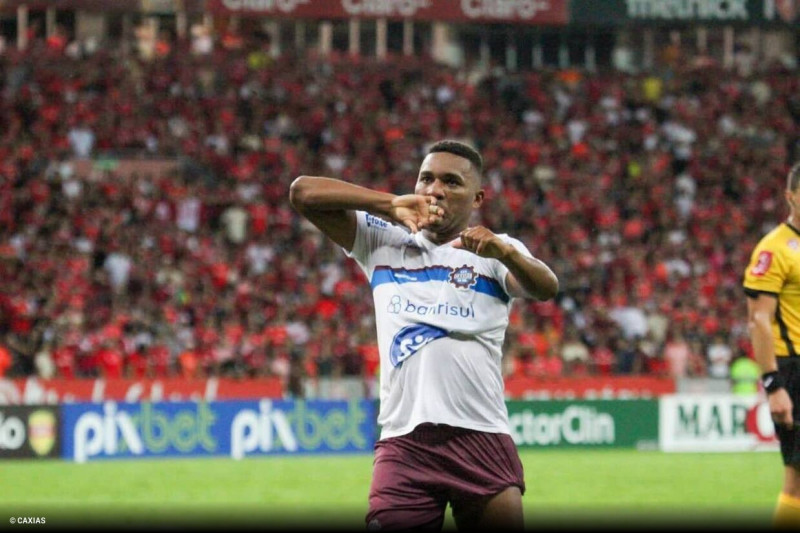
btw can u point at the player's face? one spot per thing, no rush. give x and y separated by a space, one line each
452 181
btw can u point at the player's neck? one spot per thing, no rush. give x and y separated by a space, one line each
794 220
440 238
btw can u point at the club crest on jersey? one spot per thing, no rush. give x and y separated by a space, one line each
762 264
463 277
410 339
793 244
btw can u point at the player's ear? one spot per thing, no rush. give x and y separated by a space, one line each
478 200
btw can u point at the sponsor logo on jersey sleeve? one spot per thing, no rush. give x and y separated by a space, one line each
762 264
373 221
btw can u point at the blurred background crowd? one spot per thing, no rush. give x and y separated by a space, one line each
644 191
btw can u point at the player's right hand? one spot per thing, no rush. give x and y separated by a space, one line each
780 407
416 211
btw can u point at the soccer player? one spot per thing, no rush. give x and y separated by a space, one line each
772 285
442 292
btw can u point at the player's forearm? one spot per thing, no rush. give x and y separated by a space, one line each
763 345
533 275
311 193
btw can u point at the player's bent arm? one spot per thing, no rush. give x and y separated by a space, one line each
760 310
330 205
529 277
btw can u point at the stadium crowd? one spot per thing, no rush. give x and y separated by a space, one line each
644 191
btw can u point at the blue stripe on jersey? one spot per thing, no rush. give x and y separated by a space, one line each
386 274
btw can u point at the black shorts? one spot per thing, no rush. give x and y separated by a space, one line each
415 476
789 369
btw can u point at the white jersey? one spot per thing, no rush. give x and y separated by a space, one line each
441 315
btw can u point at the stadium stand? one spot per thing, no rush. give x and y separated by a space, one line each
144 227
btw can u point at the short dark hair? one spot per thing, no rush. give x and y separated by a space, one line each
460 149
793 180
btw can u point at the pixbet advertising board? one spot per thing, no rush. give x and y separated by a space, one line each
112 430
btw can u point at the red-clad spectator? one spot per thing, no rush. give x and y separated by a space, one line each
233 331
522 361
533 340
548 365
22 314
206 334
6 360
189 364
160 360
276 334
657 366
253 350
109 359
232 40
163 46
327 308
64 356
137 364
603 359
220 272
259 218
86 363
371 357
57 41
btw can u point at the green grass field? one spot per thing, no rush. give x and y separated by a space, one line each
593 488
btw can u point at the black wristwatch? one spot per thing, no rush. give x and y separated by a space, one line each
771 381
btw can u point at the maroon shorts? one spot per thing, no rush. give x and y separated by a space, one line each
416 475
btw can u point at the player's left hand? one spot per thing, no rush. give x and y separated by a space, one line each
482 242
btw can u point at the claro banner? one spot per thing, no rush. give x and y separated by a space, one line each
593 424
92 431
715 423
551 12
29 431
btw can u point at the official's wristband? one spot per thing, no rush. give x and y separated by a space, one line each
771 381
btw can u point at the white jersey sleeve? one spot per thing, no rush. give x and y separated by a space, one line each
502 270
371 234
